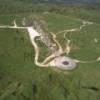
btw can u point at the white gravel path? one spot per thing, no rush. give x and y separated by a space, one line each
54 60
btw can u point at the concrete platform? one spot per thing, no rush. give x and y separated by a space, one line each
64 63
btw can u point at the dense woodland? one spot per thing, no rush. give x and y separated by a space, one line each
19 6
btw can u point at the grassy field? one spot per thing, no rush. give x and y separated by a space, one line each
21 79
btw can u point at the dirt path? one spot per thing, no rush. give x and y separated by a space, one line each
33 34
84 23
68 47
47 62
92 61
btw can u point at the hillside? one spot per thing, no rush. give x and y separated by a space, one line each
22 79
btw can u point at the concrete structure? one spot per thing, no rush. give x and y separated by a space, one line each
64 63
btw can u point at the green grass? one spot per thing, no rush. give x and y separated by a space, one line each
21 79
43 50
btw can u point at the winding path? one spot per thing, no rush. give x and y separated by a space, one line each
32 34
48 61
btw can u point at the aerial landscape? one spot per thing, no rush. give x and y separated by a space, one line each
49 50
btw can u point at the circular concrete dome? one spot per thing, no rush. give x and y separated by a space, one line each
64 63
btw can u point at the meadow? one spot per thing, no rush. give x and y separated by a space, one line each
21 79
